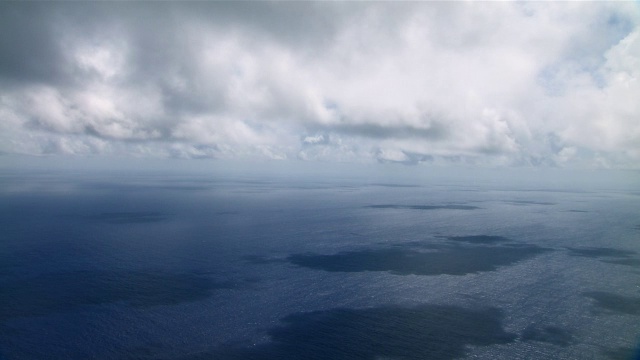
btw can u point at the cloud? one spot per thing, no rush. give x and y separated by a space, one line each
503 83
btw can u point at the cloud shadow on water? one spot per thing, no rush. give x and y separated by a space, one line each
479 239
627 262
53 293
447 259
391 185
425 332
528 202
548 334
623 353
615 303
607 255
425 207
131 217
600 252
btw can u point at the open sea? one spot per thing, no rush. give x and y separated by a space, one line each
168 266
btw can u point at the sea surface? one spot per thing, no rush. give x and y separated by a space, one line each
157 266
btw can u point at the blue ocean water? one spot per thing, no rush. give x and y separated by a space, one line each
152 266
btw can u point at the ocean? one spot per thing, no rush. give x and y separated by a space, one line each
204 266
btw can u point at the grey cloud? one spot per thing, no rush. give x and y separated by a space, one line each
30 36
297 23
28 52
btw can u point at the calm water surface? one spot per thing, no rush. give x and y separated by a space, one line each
202 267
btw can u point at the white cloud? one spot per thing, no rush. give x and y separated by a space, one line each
488 83
317 139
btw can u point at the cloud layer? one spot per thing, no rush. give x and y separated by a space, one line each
474 83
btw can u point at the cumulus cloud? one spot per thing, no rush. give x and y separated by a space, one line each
551 84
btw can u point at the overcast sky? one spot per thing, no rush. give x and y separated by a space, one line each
484 83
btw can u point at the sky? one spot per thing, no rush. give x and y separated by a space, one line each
508 84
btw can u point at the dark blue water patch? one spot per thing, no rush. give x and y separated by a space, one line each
626 262
479 239
557 191
577 211
322 186
262 260
548 334
528 202
142 186
391 185
53 293
129 217
446 259
600 252
425 207
421 244
615 303
607 255
433 332
186 188
623 353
